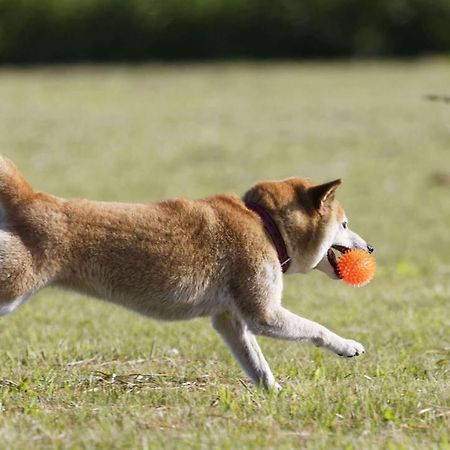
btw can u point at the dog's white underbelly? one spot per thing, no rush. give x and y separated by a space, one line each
183 302
179 309
6 308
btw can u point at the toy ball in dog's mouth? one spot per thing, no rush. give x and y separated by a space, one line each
356 267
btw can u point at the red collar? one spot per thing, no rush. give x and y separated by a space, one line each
274 233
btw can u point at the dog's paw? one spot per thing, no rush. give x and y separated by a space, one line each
272 386
350 348
276 387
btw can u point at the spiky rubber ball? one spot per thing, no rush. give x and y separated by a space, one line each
356 267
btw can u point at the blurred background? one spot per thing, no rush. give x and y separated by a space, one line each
43 31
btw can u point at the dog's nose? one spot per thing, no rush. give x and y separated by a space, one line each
369 248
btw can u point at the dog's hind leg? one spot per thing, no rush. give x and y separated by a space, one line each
18 280
245 349
23 239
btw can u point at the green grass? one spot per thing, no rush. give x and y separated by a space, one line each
78 373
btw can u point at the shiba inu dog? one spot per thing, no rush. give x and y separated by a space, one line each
222 257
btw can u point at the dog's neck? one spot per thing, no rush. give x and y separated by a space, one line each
274 233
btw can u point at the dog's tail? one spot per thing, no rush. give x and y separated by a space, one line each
14 189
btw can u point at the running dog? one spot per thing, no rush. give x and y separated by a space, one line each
223 257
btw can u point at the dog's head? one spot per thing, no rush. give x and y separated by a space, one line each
312 222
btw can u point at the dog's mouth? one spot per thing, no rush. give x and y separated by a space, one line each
332 257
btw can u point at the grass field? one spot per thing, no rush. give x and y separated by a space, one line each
77 373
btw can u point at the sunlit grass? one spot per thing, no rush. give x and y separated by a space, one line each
78 373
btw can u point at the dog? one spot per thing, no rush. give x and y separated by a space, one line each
222 257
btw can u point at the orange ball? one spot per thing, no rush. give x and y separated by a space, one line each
357 267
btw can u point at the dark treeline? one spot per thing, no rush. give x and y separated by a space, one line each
38 31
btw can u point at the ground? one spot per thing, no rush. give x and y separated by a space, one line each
79 373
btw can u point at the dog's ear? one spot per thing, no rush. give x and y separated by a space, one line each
323 194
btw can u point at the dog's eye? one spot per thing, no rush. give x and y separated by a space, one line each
344 224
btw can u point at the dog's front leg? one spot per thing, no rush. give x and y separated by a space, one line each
283 324
245 349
